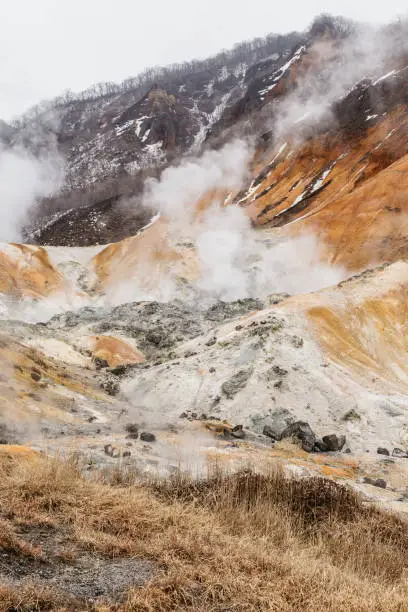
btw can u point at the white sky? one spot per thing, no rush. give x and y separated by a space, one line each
47 46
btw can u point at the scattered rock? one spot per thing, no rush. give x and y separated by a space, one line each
91 419
238 432
100 363
237 382
376 482
228 310
238 327
183 415
271 433
111 386
212 370
109 449
189 354
126 453
303 432
297 341
145 436
383 451
279 371
121 370
211 342
132 430
352 415
334 443
36 374
275 298
320 446
278 384
398 452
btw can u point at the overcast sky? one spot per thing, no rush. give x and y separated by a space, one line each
47 46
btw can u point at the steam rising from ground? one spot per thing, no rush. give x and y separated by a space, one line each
367 53
235 260
23 180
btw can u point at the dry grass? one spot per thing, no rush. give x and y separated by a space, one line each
241 542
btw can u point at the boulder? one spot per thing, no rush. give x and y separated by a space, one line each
376 482
398 452
36 374
271 433
132 430
320 447
238 432
237 382
303 432
383 451
147 437
334 443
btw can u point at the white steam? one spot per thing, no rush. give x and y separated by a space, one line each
235 260
24 179
335 68
180 188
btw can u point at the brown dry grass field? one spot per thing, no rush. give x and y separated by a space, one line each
232 542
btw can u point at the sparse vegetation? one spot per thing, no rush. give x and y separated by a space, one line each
244 541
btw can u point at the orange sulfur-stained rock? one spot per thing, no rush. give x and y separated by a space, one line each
115 351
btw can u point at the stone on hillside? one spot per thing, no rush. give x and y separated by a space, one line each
352 415
100 363
275 298
145 436
132 430
279 371
303 432
111 451
383 451
271 433
110 386
237 382
376 482
398 452
36 374
238 432
222 311
320 446
334 443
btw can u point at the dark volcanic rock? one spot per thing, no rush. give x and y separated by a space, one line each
303 432
271 433
333 442
237 382
398 452
145 436
376 482
383 451
238 432
110 386
132 430
222 311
